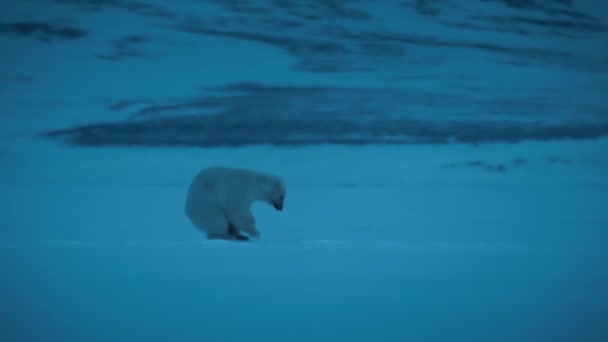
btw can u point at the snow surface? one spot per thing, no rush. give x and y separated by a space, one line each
387 243
442 242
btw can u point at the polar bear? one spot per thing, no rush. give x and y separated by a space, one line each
219 200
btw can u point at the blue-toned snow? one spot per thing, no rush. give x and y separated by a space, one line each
447 241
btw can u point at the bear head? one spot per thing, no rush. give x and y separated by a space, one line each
275 192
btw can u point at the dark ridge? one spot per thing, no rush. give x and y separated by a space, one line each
196 27
528 25
147 9
319 55
534 4
125 104
219 131
552 24
42 31
142 8
533 18
340 50
131 40
120 56
251 114
428 7
308 10
322 37
503 49
268 102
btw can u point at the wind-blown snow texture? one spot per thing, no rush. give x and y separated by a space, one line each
445 161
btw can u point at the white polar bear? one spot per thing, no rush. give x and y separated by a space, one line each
219 200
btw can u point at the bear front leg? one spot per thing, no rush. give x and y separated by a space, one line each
244 221
234 232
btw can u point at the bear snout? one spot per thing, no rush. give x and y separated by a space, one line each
278 206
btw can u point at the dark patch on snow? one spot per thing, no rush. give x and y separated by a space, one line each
519 161
42 31
18 79
492 167
132 46
558 160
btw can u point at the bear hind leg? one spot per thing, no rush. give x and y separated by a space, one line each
213 222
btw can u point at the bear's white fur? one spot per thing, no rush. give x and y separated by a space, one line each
219 200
